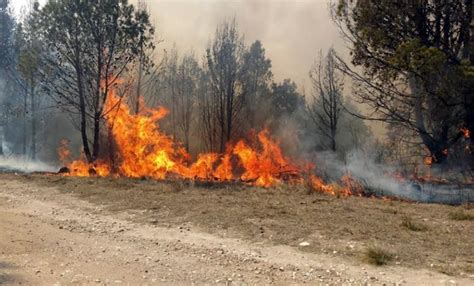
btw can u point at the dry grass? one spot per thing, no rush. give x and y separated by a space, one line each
377 256
461 214
408 223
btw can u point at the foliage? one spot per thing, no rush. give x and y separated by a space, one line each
413 57
6 32
377 256
92 43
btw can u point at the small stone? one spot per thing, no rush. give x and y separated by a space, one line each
304 243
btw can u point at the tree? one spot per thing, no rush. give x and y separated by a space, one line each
325 108
144 64
178 86
6 44
256 81
30 69
225 67
417 65
6 33
286 100
93 44
285 116
188 75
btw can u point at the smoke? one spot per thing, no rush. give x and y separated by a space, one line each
23 165
379 180
292 32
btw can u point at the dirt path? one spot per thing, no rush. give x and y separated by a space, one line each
51 238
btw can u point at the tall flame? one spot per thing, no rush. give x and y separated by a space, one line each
144 151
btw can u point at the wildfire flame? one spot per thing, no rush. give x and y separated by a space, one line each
145 151
347 187
466 132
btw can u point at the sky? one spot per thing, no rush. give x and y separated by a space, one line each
292 31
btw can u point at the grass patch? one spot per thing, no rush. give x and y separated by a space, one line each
461 214
377 256
408 223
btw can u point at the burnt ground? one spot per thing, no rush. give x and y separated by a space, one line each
181 233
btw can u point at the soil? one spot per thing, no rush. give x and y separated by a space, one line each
57 230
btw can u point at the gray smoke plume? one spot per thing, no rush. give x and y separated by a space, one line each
379 180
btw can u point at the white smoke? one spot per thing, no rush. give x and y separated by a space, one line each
379 180
23 165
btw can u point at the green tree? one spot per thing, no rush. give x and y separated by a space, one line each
93 44
6 51
30 67
286 100
6 33
414 56
257 77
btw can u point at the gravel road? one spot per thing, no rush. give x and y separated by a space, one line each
51 238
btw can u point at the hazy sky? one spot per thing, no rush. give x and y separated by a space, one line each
292 31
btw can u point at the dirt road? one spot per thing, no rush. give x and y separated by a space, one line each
48 237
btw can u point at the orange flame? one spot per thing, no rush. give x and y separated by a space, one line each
144 151
466 132
265 167
428 160
63 151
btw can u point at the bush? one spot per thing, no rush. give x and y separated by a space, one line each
411 225
461 214
377 256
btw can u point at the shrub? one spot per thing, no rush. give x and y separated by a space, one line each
377 256
411 225
461 214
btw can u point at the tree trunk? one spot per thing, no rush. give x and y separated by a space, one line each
139 85
82 108
2 136
436 145
25 119
96 143
333 143
33 122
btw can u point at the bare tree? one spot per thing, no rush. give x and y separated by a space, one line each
188 75
325 106
225 67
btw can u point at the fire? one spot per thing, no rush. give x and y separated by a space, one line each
348 186
466 132
224 170
143 150
428 160
63 151
266 166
